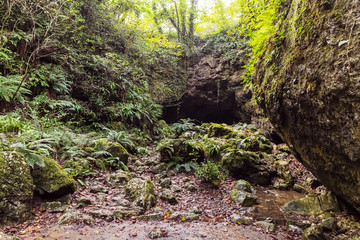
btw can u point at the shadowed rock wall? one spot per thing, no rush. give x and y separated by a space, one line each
308 83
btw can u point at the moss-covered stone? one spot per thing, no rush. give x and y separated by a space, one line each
141 192
51 180
313 204
117 150
16 188
220 130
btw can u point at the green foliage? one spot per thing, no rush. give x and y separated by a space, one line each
10 88
183 125
121 137
211 172
33 151
178 163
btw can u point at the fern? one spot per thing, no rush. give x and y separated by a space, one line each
9 86
183 125
31 156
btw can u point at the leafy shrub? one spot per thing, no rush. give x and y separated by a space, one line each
211 172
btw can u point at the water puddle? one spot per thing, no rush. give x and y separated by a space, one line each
271 202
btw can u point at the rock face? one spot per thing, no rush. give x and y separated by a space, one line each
308 82
214 91
16 192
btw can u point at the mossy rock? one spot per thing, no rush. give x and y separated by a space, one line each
186 149
313 204
16 188
141 192
220 130
117 150
51 180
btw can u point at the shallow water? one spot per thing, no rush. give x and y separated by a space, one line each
271 202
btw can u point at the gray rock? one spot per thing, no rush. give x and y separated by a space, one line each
244 186
315 232
235 218
186 179
75 216
313 204
165 183
160 168
100 212
53 207
156 233
119 178
126 212
246 199
329 224
175 188
119 201
169 196
98 188
190 187
266 224
295 229
83 202
152 217
141 192
184 216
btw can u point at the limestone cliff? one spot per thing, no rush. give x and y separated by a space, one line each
308 82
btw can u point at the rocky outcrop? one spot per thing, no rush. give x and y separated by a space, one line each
214 92
308 82
16 192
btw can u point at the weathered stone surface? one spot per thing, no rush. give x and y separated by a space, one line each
126 212
213 82
244 186
75 216
152 217
329 224
117 150
185 216
56 206
16 192
119 178
235 218
98 188
156 233
266 224
308 83
313 204
169 196
314 232
246 199
141 192
165 183
51 180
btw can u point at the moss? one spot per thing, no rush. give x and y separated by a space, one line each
51 180
16 188
313 204
141 192
117 150
220 130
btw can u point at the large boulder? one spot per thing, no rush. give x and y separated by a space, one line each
51 180
308 83
16 188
